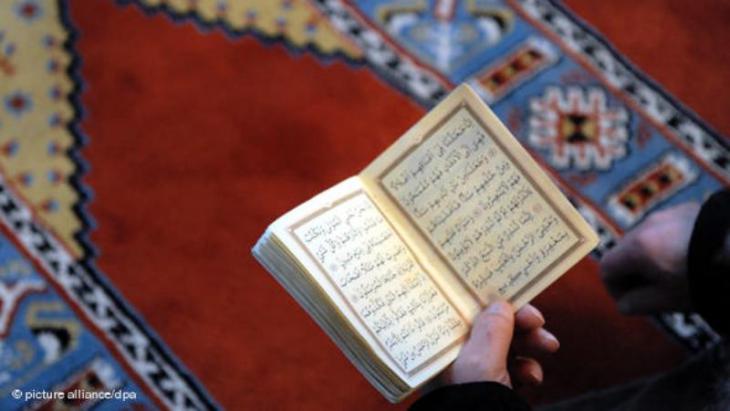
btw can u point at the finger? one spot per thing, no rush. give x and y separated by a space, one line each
526 371
528 318
618 286
622 258
492 332
535 343
484 355
639 302
622 266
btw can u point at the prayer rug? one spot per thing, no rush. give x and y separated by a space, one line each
613 140
193 137
63 327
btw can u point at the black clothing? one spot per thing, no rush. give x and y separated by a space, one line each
473 396
707 262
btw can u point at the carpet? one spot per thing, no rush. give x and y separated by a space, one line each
144 146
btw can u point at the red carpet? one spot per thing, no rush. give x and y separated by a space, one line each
197 142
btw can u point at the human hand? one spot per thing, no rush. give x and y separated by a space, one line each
646 273
492 354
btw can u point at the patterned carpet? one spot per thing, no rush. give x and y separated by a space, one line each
144 146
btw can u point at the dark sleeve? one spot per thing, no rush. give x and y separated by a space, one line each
708 263
491 396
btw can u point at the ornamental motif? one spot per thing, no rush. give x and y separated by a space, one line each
578 128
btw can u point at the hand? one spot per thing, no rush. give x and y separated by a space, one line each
646 273
484 356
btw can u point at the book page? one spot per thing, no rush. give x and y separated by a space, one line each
382 285
481 203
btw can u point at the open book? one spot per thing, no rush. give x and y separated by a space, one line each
396 262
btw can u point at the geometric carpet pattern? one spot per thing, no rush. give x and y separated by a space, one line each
612 139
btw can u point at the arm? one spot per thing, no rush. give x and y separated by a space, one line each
708 262
678 259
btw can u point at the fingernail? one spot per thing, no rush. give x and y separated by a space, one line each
536 377
550 339
536 312
498 307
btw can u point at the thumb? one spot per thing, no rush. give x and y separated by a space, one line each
492 331
484 355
